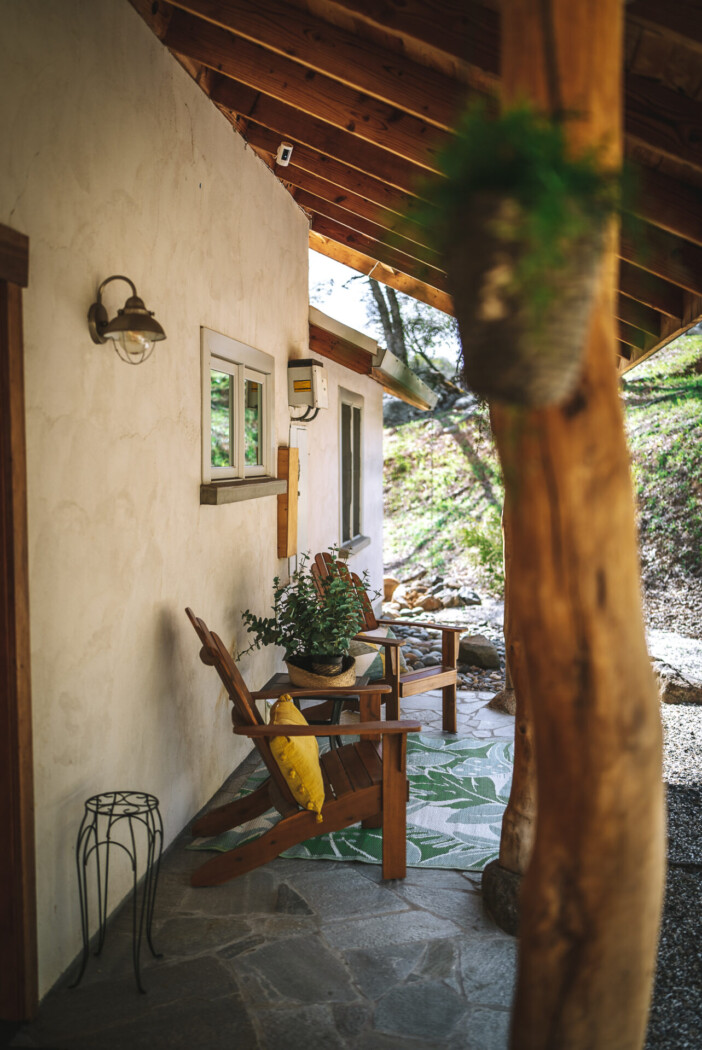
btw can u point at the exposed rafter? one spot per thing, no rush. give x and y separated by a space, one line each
366 92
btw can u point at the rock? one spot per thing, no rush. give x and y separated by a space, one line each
430 603
476 650
504 701
432 659
390 585
401 592
469 597
501 890
673 687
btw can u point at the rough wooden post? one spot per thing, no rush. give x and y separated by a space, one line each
501 880
592 895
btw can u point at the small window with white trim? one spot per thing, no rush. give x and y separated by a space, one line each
351 454
237 409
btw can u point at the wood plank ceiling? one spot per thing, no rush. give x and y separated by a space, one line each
366 92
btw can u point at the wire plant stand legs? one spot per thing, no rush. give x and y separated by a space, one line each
124 811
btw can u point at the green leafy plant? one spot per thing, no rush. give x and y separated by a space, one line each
552 198
305 622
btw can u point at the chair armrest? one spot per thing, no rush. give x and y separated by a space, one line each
347 729
422 623
328 693
375 640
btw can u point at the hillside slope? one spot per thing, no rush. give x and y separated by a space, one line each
443 491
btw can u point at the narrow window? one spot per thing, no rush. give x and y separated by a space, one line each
351 458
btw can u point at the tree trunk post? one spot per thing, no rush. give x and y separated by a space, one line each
502 879
592 894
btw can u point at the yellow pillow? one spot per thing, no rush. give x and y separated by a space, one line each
298 757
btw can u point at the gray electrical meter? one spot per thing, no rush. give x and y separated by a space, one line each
307 384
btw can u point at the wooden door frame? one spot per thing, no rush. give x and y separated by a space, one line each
18 920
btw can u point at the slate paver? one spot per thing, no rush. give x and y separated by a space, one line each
301 954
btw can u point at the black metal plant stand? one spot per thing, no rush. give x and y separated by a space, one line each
103 813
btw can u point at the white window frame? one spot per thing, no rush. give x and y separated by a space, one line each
224 354
353 400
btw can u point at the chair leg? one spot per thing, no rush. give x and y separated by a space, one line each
234 813
394 807
448 704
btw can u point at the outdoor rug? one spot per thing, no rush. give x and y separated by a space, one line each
459 788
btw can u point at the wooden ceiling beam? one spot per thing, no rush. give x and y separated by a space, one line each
291 125
676 20
350 219
663 255
634 336
352 203
318 96
663 120
351 59
655 116
460 28
638 315
660 201
645 288
666 202
381 252
366 264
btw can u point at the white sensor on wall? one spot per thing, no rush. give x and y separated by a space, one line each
284 154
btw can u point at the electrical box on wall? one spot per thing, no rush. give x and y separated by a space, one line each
307 384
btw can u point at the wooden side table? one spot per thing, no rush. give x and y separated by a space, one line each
368 694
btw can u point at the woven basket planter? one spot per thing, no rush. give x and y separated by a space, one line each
508 354
302 674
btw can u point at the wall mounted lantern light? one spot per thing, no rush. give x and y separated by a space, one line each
134 330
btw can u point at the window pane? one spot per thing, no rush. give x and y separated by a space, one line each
356 472
253 423
346 473
221 414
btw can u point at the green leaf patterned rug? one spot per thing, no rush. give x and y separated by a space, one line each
458 792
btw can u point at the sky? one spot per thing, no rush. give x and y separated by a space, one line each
345 304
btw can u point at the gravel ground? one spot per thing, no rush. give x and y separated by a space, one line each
674 633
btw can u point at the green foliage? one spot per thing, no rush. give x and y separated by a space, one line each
305 622
485 539
664 417
219 401
439 474
555 199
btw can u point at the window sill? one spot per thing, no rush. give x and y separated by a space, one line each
347 550
216 493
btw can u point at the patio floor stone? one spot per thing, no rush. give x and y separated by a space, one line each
300 954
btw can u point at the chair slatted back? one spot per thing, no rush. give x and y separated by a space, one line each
215 654
324 565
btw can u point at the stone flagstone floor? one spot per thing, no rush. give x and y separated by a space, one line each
301 954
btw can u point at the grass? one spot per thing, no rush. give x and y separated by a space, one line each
663 399
443 497
443 493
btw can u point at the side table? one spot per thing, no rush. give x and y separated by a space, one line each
367 694
103 814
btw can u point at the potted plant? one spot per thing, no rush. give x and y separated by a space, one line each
520 223
314 628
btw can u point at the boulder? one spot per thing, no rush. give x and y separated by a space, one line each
674 687
390 585
504 701
476 650
469 597
430 603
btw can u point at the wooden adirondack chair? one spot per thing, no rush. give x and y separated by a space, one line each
409 683
359 784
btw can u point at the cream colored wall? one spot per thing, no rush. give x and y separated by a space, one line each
324 526
113 161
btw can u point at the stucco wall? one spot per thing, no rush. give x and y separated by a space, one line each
324 519
115 162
